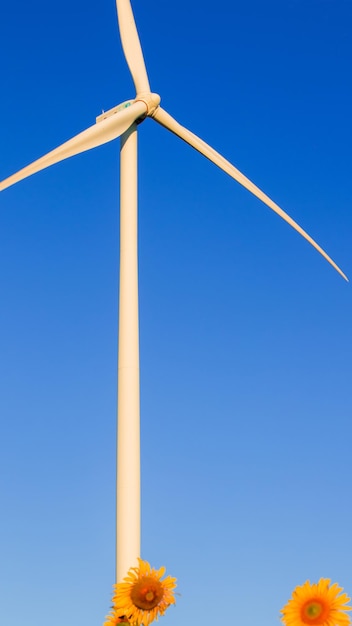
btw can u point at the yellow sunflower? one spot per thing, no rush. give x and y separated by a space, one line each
142 596
114 619
319 604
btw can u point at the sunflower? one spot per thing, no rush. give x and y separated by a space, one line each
142 596
319 604
114 619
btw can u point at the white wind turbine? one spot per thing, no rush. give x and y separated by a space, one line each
122 121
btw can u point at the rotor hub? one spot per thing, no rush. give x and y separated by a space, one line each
151 100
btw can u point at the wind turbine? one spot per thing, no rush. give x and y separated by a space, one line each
122 121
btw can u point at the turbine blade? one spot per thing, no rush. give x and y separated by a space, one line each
163 118
102 132
131 46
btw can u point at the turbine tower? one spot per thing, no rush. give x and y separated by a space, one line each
122 121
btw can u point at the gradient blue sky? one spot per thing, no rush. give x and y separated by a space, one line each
246 358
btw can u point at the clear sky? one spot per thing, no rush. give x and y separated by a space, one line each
246 359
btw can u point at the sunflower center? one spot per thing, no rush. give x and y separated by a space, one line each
146 593
314 611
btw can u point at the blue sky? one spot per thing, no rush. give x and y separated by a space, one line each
246 357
